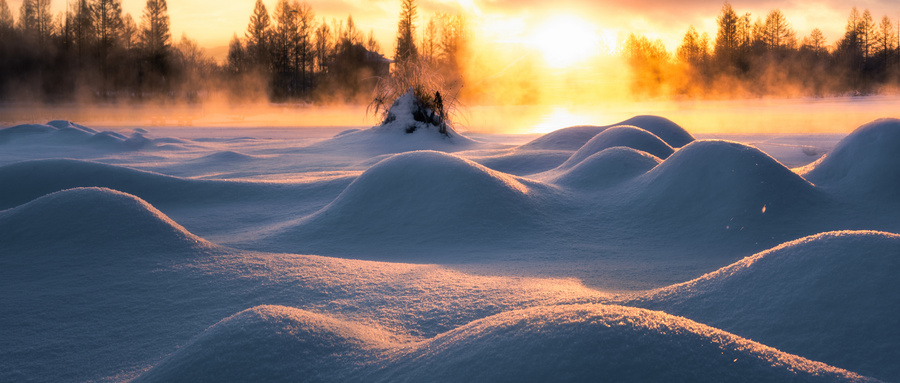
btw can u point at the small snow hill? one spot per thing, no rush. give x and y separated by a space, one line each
622 135
575 137
79 216
576 343
719 186
866 163
421 197
606 168
832 297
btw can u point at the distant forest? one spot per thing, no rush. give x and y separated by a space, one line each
93 52
764 57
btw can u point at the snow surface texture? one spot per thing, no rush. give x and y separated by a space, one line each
154 262
820 296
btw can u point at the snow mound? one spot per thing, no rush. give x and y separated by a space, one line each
64 124
25 130
732 185
832 297
419 197
524 162
225 157
622 135
61 132
866 162
606 168
551 343
80 215
583 343
664 128
39 177
575 137
571 138
272 344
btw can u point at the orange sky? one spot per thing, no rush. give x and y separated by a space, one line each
213 22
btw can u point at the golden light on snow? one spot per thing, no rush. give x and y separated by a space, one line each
565 40
560 117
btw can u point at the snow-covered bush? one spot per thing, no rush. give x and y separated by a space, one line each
415 95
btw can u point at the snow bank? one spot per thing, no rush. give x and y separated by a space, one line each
730 185
421 196
622 135
79 216
556 343
606 168
575 137
832 297
865 163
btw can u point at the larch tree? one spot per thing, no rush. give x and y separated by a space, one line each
82 26
778 34
406 31
886 43
7 23
727 37
154 34
815 42
107 24
35 20
258 36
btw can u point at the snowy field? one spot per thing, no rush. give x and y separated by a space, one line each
629 252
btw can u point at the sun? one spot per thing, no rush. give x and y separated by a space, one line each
565 40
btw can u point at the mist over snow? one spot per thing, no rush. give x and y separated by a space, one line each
624 252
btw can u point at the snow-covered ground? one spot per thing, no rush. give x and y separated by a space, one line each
249 254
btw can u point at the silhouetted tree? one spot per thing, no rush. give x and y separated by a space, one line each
156 46
324 47
885 43
778 34
7 23
406 31
35 20
727 38
258 37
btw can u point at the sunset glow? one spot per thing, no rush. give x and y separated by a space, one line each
565 40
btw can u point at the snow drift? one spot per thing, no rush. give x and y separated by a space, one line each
575 137
551 343
832 297
866 163
78 216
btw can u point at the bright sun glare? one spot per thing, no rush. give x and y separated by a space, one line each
566 40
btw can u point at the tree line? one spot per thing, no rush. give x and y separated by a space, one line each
95 52
763 57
